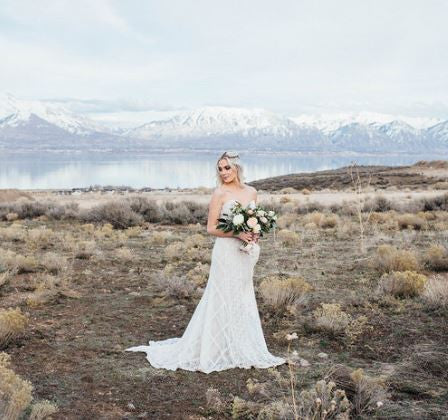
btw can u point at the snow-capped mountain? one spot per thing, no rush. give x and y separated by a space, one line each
18 113
212 121
38 124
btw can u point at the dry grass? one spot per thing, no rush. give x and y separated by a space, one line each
176 286
54 263
288 238
411 221
402 284
435 293
161 237
199 274
367 394
118 213
436 258
42 410
12 325
280 293
388 259
17 262
15 393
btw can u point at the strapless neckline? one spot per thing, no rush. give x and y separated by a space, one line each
245 206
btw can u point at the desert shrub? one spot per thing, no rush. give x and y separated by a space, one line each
279 293
12 325
15 393
13 233
406 221
47 289
322 220
389 258
6 275
105 231
175 286
195 241
147 208
214 400
310 207
10 217
366 394
286 221
439 202
42 409
184 212
124 254
306 191
54 263
199 274
133 232
442 185
41 237
435 293
436 258
288 190
271 204
174 251
329 221
288 238
315 217
20 263
323 401
378 204
161 237
402 283
84 250
331 318
118 213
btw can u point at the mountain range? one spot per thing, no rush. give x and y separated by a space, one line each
40 125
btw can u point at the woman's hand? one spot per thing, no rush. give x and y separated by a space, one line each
245 237
255 237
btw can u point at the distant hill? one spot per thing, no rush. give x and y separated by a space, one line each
420 175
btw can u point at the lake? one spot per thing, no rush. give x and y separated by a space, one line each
173 170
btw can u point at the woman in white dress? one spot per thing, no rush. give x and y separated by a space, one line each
225 330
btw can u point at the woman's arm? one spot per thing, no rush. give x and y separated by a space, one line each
214 210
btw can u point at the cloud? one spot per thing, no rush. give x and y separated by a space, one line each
188 53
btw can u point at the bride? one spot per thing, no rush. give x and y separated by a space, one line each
225 330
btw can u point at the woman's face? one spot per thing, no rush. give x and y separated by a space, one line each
227 172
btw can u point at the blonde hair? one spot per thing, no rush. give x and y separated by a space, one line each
234 161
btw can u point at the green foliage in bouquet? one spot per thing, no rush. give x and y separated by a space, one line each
252 218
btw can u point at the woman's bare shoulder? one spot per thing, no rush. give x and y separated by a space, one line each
218 194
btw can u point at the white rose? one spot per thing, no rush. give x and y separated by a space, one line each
263 220
271 213
260 213
256 229
238 219
250 212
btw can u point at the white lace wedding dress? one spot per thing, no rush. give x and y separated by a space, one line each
224 331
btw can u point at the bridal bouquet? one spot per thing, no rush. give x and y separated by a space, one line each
252 218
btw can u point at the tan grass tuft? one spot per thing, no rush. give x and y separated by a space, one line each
436 258
288 238
389 258
15 393
435 293
402 284
12 325
280 293
42 409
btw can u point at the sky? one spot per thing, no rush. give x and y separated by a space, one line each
123 58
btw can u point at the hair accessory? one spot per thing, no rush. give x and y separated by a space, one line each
231 154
